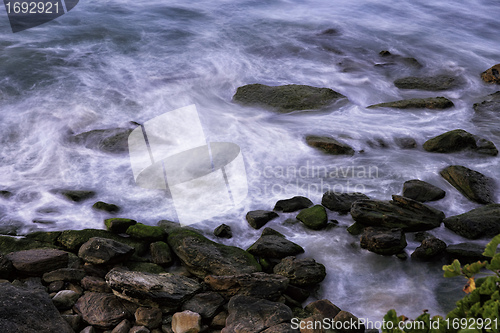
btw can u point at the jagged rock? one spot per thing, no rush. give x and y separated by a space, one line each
186 322
477 223
434 103
104 251
301 272
25 310
161 253
422 191
146 289
38 261
341 202
203 257
274 245
429 249
472 184
401 212
466 253
64 274
223 231
430 83
104 310
258 218
458 140
206 304
149 317
491 75
107 207
293 204
260 285
286 98
146 232
65 299
314 217
114 140
383 241
249 314
118 225
329 145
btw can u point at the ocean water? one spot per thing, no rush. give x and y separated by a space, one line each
108 63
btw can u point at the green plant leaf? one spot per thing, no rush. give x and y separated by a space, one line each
452 270
494 264
491 248
472 269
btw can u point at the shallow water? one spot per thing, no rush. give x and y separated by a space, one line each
105 64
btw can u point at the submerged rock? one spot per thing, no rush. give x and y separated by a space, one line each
401 212
223 231
274 245
258 218
422 191
76 195
301 272
314 217
429 249
113 140
434 103
406 142
477 223
286 98
430 83
329 145
293 204
383 241
107 207
458 140
341 202
466 253
472 184
492 75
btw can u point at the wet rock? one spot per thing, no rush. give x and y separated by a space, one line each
258 218
146 289
329 145
104 310
104 251
274 245
223 231
249 314
433 103
349 321
49 237
107 207
314 217
466 253
38 261
293 204
459 140
186 322
406 142
491 75
203 257
324 308
123 327
341 202
64 274
65 299
10 244
118 225
383 241
260 285
429 249
422 191
477 223
401 212
114 140
76 195
301 272
286 98
161 253
473 185
96 284
146 232
24 310
356 228
430 83
149 317
397 59
206 304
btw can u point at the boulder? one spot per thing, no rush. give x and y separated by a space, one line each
104 251
478 223
429 249
491 75
459 140
223 231
430 83
473 185
118 225
148 317
314 217
260 285
324 308
422 191
293 204
146 232
329 145
161 253
104 311
38 261
107 207
434 103
206 304
341 202
274 245
30 311
76 195
301 272
258 218
64 274
250 314
466 253
186 322
146 289
383 241
113 140
286 98
202 256
405 142
401 212
96 284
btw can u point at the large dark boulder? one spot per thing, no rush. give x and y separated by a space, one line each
29 311
293 204
341 202
99 250
459 140
472 184
401 212
272 244
492 75
314 217
477 223
430 249
383 241
301 272
258 218
329 145
286 98
422 191
38 261
10 244
430 83
434 103
202 256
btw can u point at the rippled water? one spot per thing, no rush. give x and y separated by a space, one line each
107 63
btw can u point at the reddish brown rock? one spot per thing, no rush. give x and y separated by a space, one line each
492 75
38 261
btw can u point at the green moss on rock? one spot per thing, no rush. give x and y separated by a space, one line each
314 217
146 232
